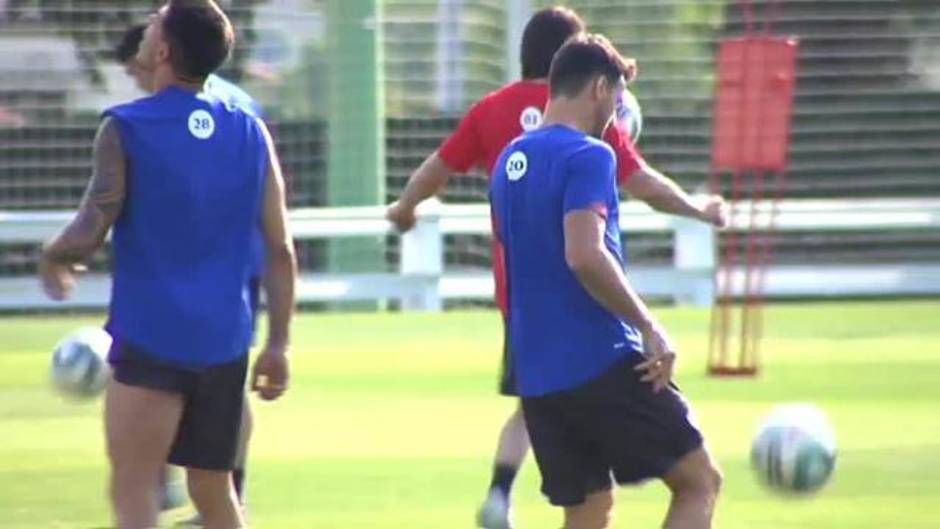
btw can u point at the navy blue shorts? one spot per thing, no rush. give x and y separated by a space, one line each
207 436
613 428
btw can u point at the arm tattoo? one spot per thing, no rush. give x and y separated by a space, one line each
101 204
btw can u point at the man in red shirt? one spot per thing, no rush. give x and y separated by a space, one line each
482 134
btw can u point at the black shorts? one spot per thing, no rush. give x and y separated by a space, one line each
507 375
207 436
613 428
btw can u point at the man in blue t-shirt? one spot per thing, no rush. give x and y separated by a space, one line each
181 310
592 364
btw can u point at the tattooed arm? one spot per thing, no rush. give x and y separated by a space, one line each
99 209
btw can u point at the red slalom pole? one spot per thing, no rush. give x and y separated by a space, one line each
766 256
718 313
730 265
751 295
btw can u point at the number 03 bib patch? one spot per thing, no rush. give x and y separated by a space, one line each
201 124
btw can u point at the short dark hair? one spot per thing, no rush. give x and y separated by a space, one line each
544 34
127 47
584 58
200 37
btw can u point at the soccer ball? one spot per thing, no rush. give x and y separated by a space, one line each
794 450
79 366
629 115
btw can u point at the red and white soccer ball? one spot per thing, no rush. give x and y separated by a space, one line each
79 363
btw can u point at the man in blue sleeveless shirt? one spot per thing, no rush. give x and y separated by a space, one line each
593 365
126 54
184 178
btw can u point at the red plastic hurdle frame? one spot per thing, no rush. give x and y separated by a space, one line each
753 111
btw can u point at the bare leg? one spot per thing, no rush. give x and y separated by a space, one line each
241 456
510 453
513 441
214 496
695 482
594 513
140 425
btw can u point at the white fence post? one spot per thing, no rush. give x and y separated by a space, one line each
422 258
694 260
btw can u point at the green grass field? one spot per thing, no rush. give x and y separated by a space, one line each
392 418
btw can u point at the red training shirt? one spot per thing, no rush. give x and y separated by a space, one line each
496 120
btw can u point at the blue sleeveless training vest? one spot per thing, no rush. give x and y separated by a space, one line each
196 167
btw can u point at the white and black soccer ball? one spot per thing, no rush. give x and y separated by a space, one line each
79 363
794 450
629 115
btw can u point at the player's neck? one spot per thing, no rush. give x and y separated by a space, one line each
164 80
570 113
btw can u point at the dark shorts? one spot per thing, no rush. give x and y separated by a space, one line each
207 436
507 375
613 428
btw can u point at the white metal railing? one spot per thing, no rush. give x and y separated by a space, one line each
423 283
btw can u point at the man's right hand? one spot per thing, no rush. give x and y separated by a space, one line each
402 216
58 280
660 356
